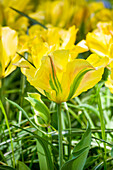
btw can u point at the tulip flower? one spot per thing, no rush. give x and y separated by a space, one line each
40 42
100 41
61 79
8 47
65 13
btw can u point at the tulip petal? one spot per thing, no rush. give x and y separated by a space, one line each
79 48
9 43
93 77
98 43
77 81
2 61
11 67
42 49
74 69
27 69
97 61
68 37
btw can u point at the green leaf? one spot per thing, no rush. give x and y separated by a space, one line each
44 156
2 157
39 107
80 153
77 81
31 19
22 166
2 167
91 160
25 114
112 152
43 142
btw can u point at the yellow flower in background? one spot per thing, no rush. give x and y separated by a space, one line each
41 42
57 13
8 17
65 13
100 41
8 47
61 79
97 13
61 13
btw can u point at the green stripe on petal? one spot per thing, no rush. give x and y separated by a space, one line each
77 81
56 85
51 83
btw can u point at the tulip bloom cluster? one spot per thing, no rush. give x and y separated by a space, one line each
56 73
48 41
53 51
52 66
65 13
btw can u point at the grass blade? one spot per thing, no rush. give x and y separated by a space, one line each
25 114
7 123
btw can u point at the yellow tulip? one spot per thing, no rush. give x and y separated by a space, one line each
100 41
61 79
41 42
8 47
65 13
60 14
98 13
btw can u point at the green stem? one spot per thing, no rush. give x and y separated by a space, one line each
21 96
69 126
102 124
21 104
2 90
60 136
23 83
1 95
69 138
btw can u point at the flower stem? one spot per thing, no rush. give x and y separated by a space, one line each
69 126
22 87
102 125
2 90
1 95
60 136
